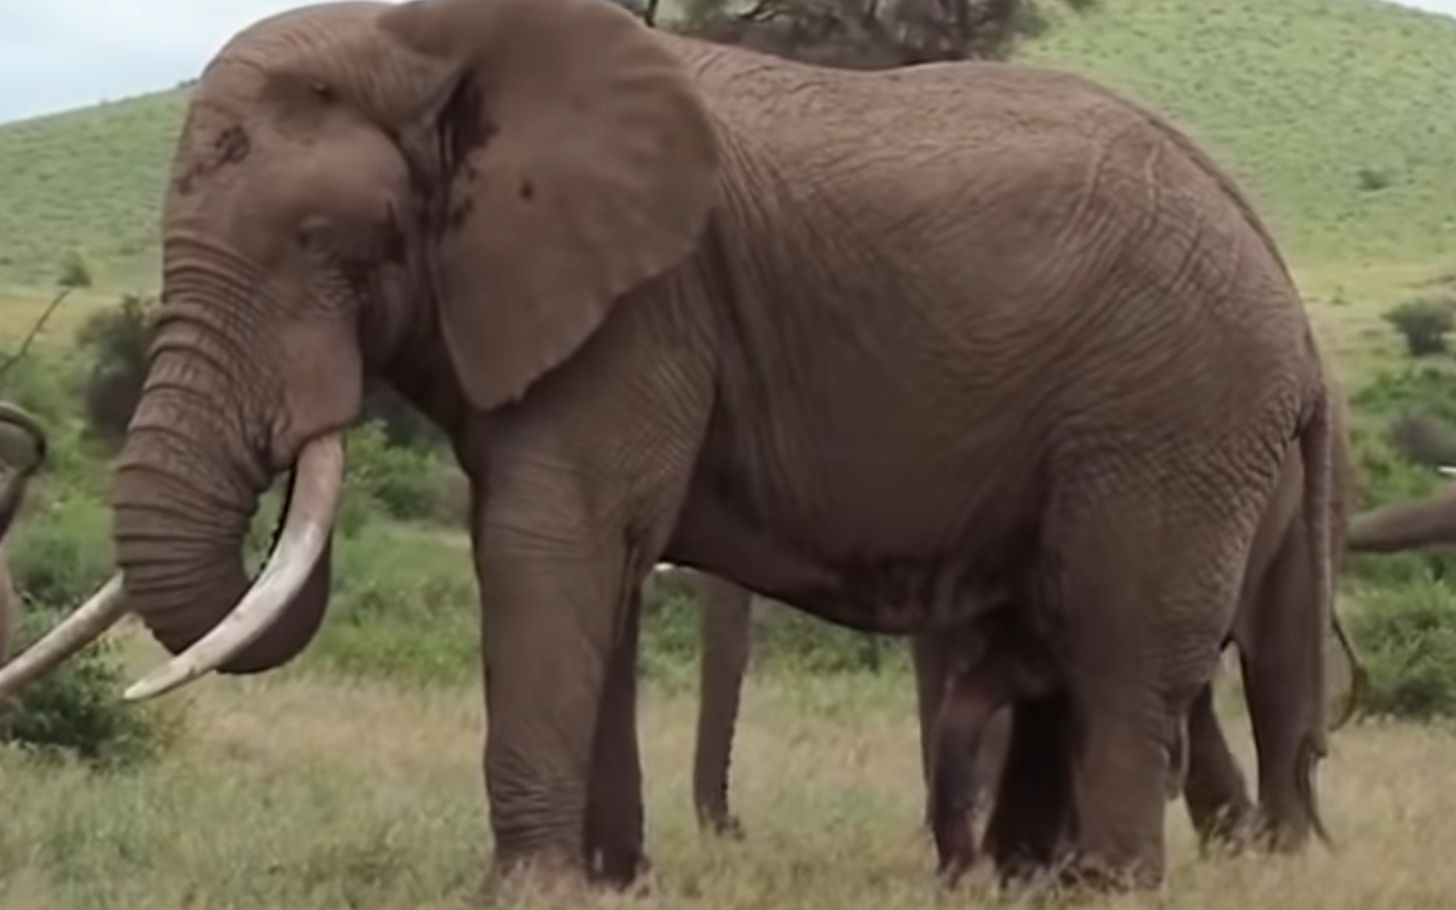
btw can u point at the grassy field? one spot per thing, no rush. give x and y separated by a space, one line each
303 792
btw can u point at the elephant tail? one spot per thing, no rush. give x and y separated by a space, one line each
1321 500
1342 473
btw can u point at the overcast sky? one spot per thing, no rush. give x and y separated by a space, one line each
58 54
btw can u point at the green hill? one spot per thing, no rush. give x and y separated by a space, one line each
1336 113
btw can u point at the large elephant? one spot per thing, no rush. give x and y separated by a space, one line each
22 453
884 346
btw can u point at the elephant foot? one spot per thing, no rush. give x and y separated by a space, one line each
721 823
621 869
1095 876
1229 830
552 877
955 845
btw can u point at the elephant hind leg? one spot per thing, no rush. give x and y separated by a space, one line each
996 666
1142 614
1279 657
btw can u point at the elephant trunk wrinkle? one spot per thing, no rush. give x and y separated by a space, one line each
187 484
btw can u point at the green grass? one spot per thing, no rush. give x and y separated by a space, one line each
92 180
1299 97
303 791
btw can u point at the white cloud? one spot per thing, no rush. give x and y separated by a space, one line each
58 54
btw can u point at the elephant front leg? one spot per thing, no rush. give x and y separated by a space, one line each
560 747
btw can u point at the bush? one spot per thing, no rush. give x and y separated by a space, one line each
76 710
117 341
1406 635
407 483
404 605
1424 323
1423 439
60 556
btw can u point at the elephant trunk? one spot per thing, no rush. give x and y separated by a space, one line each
187 484
1405 526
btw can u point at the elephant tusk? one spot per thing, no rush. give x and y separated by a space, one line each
82 627
1448 470
306 529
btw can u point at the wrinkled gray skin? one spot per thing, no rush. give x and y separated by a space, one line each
22 453
1067 360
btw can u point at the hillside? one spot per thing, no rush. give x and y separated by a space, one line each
1335 112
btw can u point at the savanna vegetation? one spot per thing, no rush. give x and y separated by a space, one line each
351 777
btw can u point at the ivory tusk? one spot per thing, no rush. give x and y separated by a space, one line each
82 627
319 476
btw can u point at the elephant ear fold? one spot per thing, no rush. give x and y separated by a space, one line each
580 163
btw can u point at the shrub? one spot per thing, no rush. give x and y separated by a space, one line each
1423 439
1424 323
62 555
75 270
1372 179
1406 635
117 341
407 483
76 710
404 605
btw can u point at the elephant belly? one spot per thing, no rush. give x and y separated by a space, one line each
872 586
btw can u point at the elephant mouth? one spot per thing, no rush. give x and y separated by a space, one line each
299 540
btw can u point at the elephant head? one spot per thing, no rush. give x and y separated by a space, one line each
22 453
354 193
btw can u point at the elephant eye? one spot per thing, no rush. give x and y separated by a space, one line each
323 91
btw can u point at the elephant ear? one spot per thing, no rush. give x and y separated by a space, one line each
580 163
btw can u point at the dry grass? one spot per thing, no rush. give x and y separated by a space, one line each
301 792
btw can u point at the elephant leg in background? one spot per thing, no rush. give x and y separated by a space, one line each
614 819
1031 817
1215 791
932 656
9 618
994 670
1279 657
725 643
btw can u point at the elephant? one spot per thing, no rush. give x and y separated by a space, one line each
882 345
22 453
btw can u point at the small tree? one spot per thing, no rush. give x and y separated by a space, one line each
866 34
1424 323
75 271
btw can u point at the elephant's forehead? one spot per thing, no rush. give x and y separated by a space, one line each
306 38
